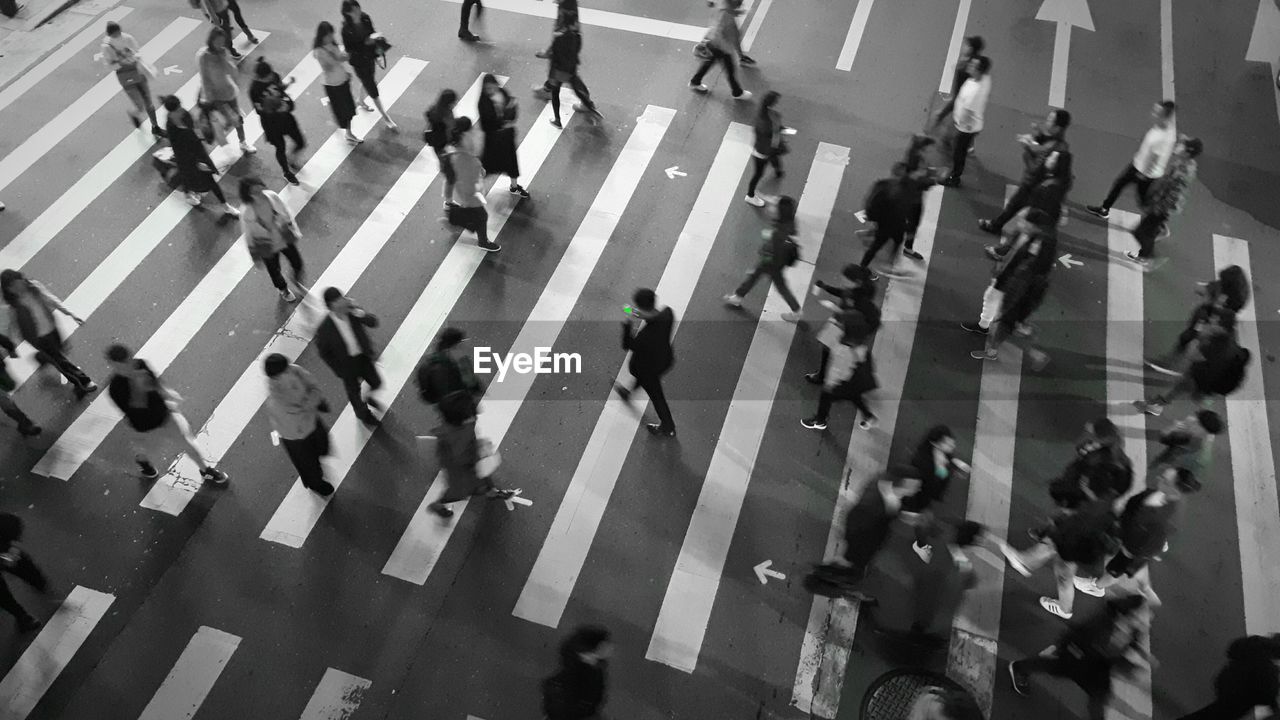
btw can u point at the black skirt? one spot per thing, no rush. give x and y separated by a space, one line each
341 103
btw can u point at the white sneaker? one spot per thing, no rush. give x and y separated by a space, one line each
733 300
193 199
1014 561
925 552
746 95
754 201
248 149
791 317
230 211
1051 605
1 207
1088 586
391 124
699 88
287 295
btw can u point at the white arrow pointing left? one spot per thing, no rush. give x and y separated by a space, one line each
1264 45
763 572
514 500
674 171
1066 13
1068 262
172 69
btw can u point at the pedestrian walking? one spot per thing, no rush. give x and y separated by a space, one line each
1227 294
1249 680
850 375
196 171
464 23
218 89
31 318
7 385
365 47
295 405
1165 199
1100 469
498 110
445 382
1149 163
270 231
336 79
778 252
722 44
1046 172
888 207
1017 290
1218 368
566 15
1077 544
565 60
468 208
577 690
17 562
936 464
344 344
121 53
220 12
270 97
969 112
939 586
440 122
1188 445
919 178
972 47
468 464
1089 653
151 407
646 334
854 299
768 145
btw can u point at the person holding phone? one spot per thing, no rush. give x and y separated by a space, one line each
498 110
646 333
295 405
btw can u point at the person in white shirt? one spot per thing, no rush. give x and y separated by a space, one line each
120 53
970 107
1149 163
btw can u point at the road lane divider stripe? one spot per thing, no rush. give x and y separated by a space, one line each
602 18
338 695
192 677
68 50
953 49
852 41
424 539
555 572
301 509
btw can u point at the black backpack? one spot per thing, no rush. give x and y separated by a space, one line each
791 251
879 204
1234 373
440 383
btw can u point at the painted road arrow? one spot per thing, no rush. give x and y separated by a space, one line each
674 171
763 572
1264 45
1068 262
1066 13
514 500
172 69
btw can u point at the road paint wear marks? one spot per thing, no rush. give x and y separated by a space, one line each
686 608
424 539
337 696
67 51
192 677
853 40
301 508
829 632
546 592
47 656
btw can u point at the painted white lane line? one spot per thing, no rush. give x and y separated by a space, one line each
103 175
1253 467
602 18
174 491
47 136
691 593
853 40
67 51
426 536
828 636
554 574
953 49
753 27
1166 49
971 659
47 656
1125 374
1066 14
90 428
192 677
338 695
301 508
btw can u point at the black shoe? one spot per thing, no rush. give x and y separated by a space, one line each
158 132
137 121
291 179
148 471
30 429
746 60
974 328
443 511
988 227
952 181
518 190
912 254
28 624
1021 684
215 476
479 9
324 488
84 390
1098 210
623 393
234 53
656 429
813 377
490 246
253 40
468 37
369 419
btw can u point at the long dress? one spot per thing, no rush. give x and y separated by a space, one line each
499 156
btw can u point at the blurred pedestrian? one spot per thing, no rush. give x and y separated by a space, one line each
7 385
1188 445
1249 680
343 342
31 319
577 690
972 47
498 110
1149 163
468 209
936 464
1100 469
646 334
336 79
939 704
219 12
444 380
970 109
1228 293
464 24
295 404
565 60
1018 288
1217 368
460 454
850 375
722 44
1077 544
15 561
768 146
121 53
197 173
270 231
856 296
1165 199
778 252
270 97
938 588
888 207
218 89
1046 172
440 122
365 46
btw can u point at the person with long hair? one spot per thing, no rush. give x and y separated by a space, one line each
768 146
31 314
197 173
850 375
270 97
361 42
271 231
440 121
336 79
459 451
120 52
498 123
566 47
776 253
218 87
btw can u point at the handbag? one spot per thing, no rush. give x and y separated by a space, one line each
489 460
703 52
131 74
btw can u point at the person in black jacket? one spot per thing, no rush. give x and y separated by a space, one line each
651 355
1099 471
1043 151
1022 282
935 463
270 98
445 383
343 342
1249 680
888 205
363 45
1224 296
1218 367
776 253
17 562
768 146
566 48
7 386
857 296
497 109
32 319
577 690
440 123
196 171
1077 543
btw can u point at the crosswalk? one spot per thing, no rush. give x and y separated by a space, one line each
700 571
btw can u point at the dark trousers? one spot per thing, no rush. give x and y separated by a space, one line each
1014 206
960 152
1146 231
1222 709
775 275
579 89
367 72
49 351
272 262
233 8
652 386
26 571
1129 176
464 24
10 408
826 400
306 454
884 235
822 364
730 70
1093 676
362 370
285 126
760 162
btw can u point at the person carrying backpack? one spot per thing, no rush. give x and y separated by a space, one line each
888 206
778 252
443 382
577 690
1218 368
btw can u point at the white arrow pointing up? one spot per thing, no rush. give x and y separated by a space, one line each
1264 45
1066 13
763 572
